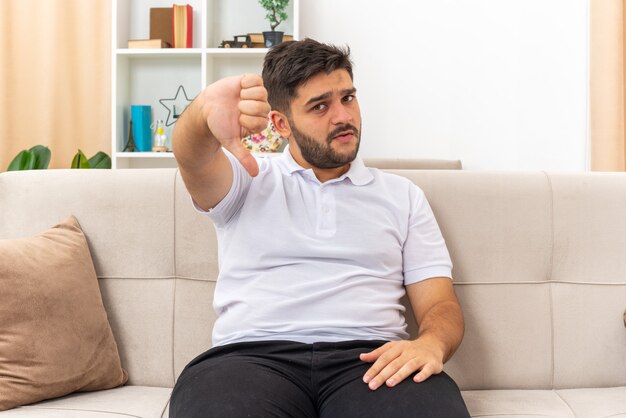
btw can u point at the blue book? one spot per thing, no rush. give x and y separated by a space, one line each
141 117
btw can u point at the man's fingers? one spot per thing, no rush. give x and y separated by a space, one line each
373 355
405 371
245 158
427 371
384 359
253 116
388 370
252 124
253 105
254 93
398 370
396 361
376 357
251 80
254 108
250 164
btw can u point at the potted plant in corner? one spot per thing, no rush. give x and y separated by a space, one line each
276 13
38 158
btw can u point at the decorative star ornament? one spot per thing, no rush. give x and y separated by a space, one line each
175 106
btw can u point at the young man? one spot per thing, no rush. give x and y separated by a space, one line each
315 252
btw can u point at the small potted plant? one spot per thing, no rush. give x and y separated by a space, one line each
276 13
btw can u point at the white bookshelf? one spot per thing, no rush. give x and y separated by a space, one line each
143 76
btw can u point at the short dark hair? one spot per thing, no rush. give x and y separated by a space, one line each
290 64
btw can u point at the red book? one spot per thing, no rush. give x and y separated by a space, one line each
182 26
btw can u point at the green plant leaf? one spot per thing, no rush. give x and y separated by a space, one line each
36 158
41 157
22 161
80 161
276 11
100 160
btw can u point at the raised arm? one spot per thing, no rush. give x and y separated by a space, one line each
221 115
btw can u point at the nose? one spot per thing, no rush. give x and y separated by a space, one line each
341 114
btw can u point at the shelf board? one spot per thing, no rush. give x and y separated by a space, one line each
144 154
237 51
177 52
155 52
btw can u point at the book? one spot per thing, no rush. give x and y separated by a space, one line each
148 43
182 26
161 23
256 38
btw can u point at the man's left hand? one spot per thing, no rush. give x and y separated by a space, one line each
397 360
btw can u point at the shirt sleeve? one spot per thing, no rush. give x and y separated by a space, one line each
224 211
425 254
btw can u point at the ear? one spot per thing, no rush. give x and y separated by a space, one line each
281 124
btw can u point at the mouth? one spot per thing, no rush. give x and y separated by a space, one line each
344 137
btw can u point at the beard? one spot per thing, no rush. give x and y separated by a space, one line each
320 154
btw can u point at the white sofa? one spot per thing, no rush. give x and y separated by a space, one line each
539 268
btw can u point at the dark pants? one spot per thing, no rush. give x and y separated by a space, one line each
289 379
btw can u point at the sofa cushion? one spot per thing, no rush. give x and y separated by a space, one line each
596 402
55 338
127 401
516 403
565 403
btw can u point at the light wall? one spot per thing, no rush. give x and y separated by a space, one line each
499 84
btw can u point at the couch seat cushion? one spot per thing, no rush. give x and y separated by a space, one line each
516 403
126 401
596 402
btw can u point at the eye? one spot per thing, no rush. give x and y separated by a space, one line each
319 107
349 98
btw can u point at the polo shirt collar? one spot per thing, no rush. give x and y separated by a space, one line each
358 174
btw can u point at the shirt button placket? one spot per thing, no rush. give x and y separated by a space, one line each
328 210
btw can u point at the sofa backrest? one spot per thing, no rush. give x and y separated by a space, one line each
539 267
413 164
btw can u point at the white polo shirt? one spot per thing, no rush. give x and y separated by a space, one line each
307 261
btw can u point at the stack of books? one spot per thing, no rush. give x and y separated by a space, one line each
148 43
257 41
169 27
